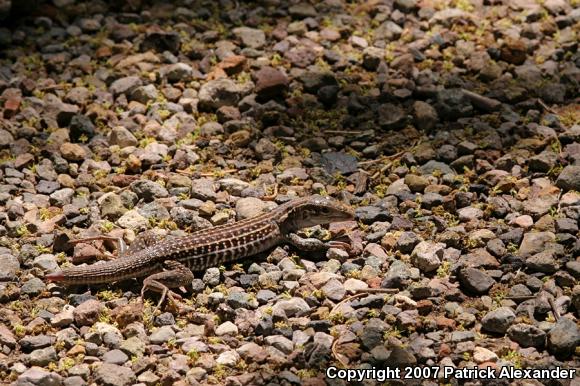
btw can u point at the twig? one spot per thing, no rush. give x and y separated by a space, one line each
378 290
546 107
347 299
383 158
554 310
353 132
523 297
211 174
335 354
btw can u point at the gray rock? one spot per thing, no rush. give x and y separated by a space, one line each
178 72
31 342
249 207
291 307
372 333
339 162
62 197
125 85
569 178
148 190
204 189
543 262
241 300
425 116
133 346
220 92
226 328
111 206
144 94
212 276
431 166
535 242
115 356
109 374
389 30
39 377
250 37
427 255
475 280
42 356
527 335
162 335
122 137
498 320
33 287
10 266
563 338
319 352
391 116
302 10
270 82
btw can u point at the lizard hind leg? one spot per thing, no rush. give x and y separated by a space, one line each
177 275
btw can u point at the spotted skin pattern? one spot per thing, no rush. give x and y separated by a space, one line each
212 247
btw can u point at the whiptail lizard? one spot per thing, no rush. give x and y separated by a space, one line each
168 263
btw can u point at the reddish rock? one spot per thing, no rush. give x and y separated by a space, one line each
270 82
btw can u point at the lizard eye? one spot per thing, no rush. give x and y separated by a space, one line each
325 210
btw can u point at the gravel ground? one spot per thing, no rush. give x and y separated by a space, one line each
452 126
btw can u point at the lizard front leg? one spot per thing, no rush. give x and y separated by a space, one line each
177 275
312 244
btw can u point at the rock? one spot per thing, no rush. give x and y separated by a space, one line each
226 328
372 333
302 10
133 220
125 85
39 377
564 338
6 337
425 115
10 266
145 94
475 280
249 207
498 321
111 206
220 92
432 166
270 82
391 116
178 72
427 255
483 355
250 37
87 313
162 335
33 287
527 335
318 353
73 152
372 57
514 51
161 41
301 56
453 103
148 190
108 374
569 178
543 262
42 356
339 162
290 308
81 127
388 31
116 357
535 242
228 358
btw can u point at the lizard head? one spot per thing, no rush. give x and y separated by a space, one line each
316 210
